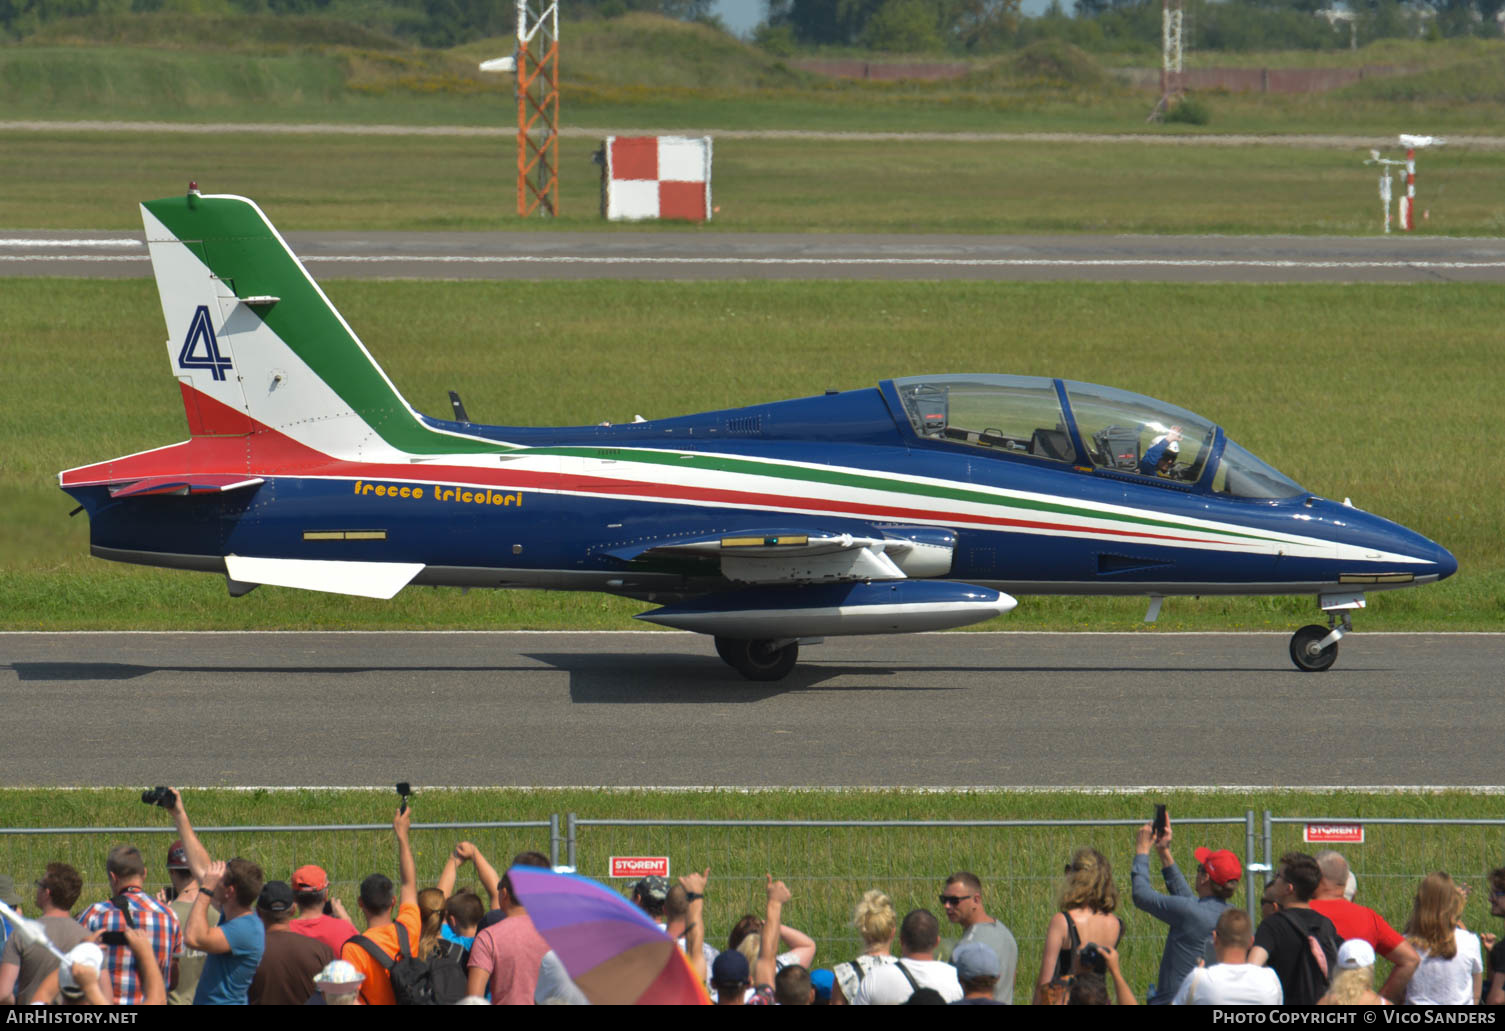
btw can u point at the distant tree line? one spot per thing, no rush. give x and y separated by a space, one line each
906 26
889 26
961 26
437 23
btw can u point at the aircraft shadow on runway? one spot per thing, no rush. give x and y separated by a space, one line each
636 678
85 671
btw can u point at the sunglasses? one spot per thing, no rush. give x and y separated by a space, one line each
955 900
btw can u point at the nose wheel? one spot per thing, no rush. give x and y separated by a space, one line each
761 660
1314 648
1307 651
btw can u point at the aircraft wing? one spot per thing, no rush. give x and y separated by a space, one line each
364 579
785 555
182 483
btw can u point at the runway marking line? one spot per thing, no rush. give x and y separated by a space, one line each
123 242
1157 634
386 789
466 259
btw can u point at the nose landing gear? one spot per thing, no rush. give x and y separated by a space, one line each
1314 648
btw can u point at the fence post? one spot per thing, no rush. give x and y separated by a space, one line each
1248 856
553 839
569 840
1269 847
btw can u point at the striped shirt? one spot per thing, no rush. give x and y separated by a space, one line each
152 917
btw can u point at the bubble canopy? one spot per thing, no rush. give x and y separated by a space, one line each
1088 426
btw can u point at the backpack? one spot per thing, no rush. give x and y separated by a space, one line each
438 981
1313 969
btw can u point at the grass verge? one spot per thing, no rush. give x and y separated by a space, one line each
389 182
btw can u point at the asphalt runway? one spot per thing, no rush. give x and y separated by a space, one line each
698 255
652 708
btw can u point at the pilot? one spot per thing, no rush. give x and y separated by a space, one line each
1160 457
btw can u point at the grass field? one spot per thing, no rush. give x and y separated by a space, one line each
374 183
642 70
827 868
1393 406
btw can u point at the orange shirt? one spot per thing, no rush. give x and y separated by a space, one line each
376 990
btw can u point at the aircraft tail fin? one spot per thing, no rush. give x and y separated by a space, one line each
256 344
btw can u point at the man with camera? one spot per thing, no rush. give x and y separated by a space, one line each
128 907
375 902
1190 912
233 946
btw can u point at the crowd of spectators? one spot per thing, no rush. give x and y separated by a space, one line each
224 935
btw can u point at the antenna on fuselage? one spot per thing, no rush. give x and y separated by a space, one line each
458 406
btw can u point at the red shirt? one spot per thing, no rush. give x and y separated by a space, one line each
330 930
1355 921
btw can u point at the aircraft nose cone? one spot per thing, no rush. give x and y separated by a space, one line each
1443 559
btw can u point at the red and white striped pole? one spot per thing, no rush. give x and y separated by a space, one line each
1408 202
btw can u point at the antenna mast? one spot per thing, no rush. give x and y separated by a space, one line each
537 107
1172 79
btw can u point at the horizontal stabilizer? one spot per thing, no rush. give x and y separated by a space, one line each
364 579
183 483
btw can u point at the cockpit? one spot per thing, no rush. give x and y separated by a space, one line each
1088 426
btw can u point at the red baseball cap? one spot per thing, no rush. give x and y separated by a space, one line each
309 878
1222 866
177 856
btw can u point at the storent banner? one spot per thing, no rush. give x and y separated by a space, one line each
639 866
1334 834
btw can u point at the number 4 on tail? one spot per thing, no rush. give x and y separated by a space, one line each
200 348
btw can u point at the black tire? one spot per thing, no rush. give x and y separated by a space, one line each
726 647
1302 642
758 660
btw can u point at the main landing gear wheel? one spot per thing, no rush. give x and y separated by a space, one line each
761 660
1306 654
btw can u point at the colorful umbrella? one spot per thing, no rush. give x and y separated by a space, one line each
612 950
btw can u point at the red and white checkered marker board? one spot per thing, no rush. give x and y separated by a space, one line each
658 177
